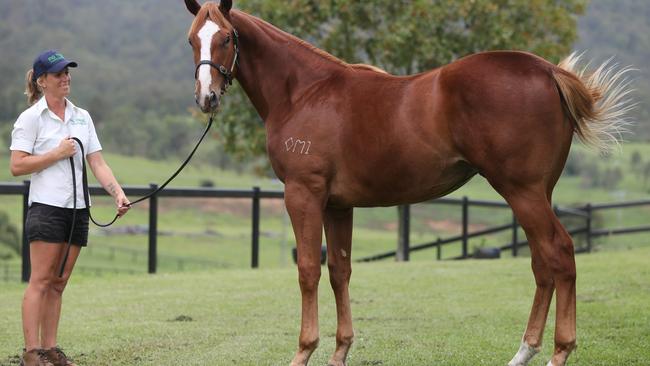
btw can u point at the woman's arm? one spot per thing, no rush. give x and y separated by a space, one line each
25 163
104 175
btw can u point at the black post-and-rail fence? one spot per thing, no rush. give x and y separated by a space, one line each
255 195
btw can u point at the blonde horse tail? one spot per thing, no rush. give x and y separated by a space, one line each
597 102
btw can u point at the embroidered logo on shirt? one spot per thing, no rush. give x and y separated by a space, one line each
78 122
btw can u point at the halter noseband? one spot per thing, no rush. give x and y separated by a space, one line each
222 69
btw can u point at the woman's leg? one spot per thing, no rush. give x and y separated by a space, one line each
53 298
43 257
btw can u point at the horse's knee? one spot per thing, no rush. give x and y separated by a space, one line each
339 274
308 276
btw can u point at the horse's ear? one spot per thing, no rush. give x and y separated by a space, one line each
193 6
225 6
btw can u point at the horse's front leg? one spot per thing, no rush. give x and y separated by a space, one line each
338 231
305 205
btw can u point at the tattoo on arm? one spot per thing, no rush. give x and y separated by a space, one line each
111 189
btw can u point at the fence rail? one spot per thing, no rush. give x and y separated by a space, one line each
585 212
402 252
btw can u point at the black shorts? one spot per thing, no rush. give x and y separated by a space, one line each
52 224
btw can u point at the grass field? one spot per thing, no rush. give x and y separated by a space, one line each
418 313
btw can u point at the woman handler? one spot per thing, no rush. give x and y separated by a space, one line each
41 143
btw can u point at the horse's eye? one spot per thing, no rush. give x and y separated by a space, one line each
227 40
189 41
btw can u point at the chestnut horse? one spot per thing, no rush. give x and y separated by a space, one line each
341 136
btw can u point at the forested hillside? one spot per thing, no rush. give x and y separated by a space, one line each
136 69
135 66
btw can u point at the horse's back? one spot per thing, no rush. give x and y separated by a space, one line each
500 78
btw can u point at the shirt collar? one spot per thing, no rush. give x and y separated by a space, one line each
70 108
41 105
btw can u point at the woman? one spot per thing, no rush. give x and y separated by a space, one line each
41 144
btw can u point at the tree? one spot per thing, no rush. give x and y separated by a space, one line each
404 37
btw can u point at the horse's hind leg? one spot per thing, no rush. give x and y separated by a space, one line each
554 268
338 231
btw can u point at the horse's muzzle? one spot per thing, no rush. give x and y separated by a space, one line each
210 103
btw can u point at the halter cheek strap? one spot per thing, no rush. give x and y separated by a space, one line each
227 74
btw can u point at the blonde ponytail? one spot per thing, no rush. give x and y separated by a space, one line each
32 90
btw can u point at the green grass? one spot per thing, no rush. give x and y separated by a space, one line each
418 313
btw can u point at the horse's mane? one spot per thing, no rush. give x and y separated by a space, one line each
369 68
270 28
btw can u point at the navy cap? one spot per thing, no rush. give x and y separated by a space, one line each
50 61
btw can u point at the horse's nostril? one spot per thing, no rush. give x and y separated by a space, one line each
213 100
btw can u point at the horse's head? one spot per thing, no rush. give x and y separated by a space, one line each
215 45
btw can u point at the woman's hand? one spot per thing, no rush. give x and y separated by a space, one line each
67 148
123 204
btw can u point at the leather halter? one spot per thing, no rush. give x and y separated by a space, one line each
227 74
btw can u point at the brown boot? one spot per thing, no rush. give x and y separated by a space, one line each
57 357
35 357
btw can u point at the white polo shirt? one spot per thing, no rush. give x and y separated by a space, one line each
38 131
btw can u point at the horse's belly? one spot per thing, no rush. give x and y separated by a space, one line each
398 187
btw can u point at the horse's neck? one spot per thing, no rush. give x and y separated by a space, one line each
274 68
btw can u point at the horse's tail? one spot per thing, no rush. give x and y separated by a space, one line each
596 102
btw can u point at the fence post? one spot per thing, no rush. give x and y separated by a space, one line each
514 235
153 230
26 267
438 250
255 240
404 213
465 224
589 212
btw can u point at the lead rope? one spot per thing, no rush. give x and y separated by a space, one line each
87 196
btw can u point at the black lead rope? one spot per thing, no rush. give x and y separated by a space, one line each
87 196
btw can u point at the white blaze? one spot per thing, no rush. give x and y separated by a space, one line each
206 33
